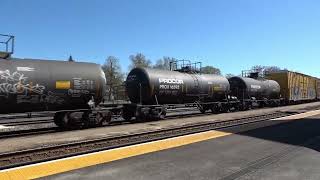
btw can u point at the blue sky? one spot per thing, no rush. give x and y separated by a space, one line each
229 34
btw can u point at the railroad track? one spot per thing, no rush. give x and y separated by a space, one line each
53 129
30 156
172 114
29 132
25 115
23 122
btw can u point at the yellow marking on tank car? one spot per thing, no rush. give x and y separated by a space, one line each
217 87
63 84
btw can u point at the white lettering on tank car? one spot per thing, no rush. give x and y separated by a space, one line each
19 68
162 86
177 87
170 81
255 87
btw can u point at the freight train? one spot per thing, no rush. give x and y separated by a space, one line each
74 90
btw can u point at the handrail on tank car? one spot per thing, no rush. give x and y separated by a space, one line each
8 40
186 66
252 74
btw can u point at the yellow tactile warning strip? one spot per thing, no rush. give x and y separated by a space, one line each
58 166
72 163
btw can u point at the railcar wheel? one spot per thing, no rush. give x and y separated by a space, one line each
58 119
107 117
262 104
66 124
213 109
225 108
127 115
235 107
62 120
100 118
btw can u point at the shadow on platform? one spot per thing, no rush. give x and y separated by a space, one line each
303 132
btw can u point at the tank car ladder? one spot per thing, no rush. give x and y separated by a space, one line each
195 80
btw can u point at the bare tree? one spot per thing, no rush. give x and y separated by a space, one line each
261 69
210 70
272 69
257 68
164 63
113 74
229 75
139 60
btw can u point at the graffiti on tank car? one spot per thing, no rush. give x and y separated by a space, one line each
12 77
33 99
27 92
170 81
49 98
16 83
18 88
52 98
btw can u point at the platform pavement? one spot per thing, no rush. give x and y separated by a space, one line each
285 151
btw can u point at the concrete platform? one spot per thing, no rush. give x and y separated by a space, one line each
285 151
20 143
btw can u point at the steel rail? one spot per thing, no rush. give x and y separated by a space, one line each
35 155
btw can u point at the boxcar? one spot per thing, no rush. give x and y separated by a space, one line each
295 87
318 89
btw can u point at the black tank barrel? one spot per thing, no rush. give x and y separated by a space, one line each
34 85
245 88
152 86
